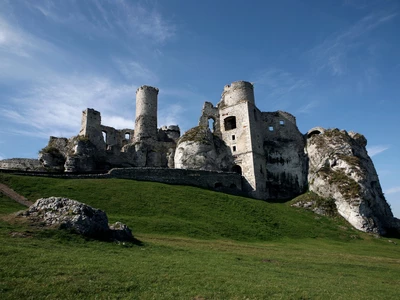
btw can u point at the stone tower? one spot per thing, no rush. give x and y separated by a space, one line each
238 126
146 113
91 127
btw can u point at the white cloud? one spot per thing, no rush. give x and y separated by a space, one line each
15 41
375 150
170 115
108 18
117 121
393 190
55 108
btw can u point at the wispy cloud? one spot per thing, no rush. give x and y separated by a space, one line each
17 42
393 190
333 53
56 89
375 150
360 4
308 108
279 82
134 70
55 108
171 115
105 18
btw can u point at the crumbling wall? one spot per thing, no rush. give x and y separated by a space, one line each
205 179
210 112
25 164
286 161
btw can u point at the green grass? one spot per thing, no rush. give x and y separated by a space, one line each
197 244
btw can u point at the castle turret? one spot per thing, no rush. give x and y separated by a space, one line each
236 92
146 113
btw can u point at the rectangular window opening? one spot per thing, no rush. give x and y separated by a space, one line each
271 128
234 148
233 137
281 122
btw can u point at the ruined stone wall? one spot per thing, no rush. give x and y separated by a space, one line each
26 164
210 112
205 179
286 161
91 127
259 159
169 133
146 113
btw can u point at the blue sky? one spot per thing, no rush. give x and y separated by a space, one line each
330 63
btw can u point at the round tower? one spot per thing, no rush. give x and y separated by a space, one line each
238 91
146 112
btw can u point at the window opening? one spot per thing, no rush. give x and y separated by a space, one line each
237 169
281 122
218 185
230 123
233 137
127 136
211 124
271 128
104 136
234 148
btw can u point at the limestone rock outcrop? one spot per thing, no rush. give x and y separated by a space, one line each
340 168
71 214
199 149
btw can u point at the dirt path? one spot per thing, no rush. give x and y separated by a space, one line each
14 195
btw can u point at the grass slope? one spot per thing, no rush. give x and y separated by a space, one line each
149 207
197 244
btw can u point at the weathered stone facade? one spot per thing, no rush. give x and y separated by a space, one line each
262 154
266 147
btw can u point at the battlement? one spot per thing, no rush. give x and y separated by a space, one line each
148 88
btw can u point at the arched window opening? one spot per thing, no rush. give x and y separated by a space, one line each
237 169
127 136
230 123
233 186
211 124
218 185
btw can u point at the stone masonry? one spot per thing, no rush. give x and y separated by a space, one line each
267 152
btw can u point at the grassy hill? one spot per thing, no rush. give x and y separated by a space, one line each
197 244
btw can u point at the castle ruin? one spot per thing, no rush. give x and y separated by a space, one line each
266 148
259 154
